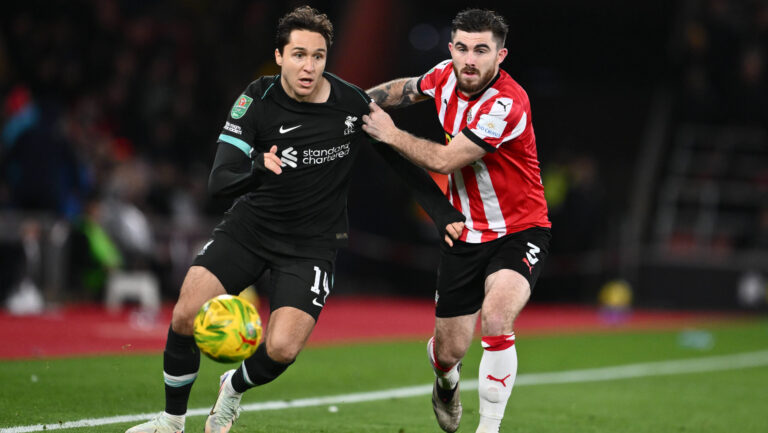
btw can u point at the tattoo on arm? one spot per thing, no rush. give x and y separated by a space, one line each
397 93
379 96
409 91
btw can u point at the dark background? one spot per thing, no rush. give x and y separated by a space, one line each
111 111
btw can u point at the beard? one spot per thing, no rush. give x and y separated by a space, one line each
483 78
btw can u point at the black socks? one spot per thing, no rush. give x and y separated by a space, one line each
260 369
181 361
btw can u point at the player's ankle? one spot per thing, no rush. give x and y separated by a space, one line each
489 424
177 420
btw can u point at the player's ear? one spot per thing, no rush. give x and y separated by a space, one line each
502 54
278 57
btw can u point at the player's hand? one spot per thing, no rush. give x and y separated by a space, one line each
378 124
453 231
272 161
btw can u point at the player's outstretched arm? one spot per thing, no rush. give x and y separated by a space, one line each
448 221
425 153
397 93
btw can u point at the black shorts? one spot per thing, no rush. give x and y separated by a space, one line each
464 268
299 282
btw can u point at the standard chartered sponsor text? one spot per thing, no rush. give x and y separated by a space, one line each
321 156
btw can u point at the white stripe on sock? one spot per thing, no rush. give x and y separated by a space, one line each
179 381
245 374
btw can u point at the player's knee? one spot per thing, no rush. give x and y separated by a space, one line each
183 320
283 351
449 355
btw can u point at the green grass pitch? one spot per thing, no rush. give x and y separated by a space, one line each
50 391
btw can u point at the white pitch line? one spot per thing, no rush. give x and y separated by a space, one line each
661 368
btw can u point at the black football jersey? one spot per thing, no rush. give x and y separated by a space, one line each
317 144
305 207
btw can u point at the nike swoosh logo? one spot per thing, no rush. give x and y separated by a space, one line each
284 130
213 409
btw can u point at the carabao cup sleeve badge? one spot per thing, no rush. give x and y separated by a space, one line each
241 106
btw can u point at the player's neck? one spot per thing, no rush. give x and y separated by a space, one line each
464 95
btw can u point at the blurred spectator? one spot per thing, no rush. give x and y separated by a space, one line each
575 205
751 90
93 254
19 264
37 165
25 296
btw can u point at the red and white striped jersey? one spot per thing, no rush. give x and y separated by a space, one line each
500 193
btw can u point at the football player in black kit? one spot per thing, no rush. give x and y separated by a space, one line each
286 150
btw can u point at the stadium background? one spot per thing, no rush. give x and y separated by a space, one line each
650 120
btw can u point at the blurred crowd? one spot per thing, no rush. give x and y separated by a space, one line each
110 111
723 71
722 56
119 98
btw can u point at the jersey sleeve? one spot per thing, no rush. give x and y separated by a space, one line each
430 81
237 166
424 189
498 121
232 172
240 127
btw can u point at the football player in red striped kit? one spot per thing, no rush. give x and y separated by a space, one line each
494 179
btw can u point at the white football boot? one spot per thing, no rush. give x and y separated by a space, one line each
227 407
163 423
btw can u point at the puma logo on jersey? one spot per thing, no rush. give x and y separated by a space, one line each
502 381
501 107
288 157
284 130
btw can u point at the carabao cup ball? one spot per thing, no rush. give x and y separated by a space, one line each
228 329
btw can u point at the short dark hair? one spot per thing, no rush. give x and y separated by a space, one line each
481 20
303 18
